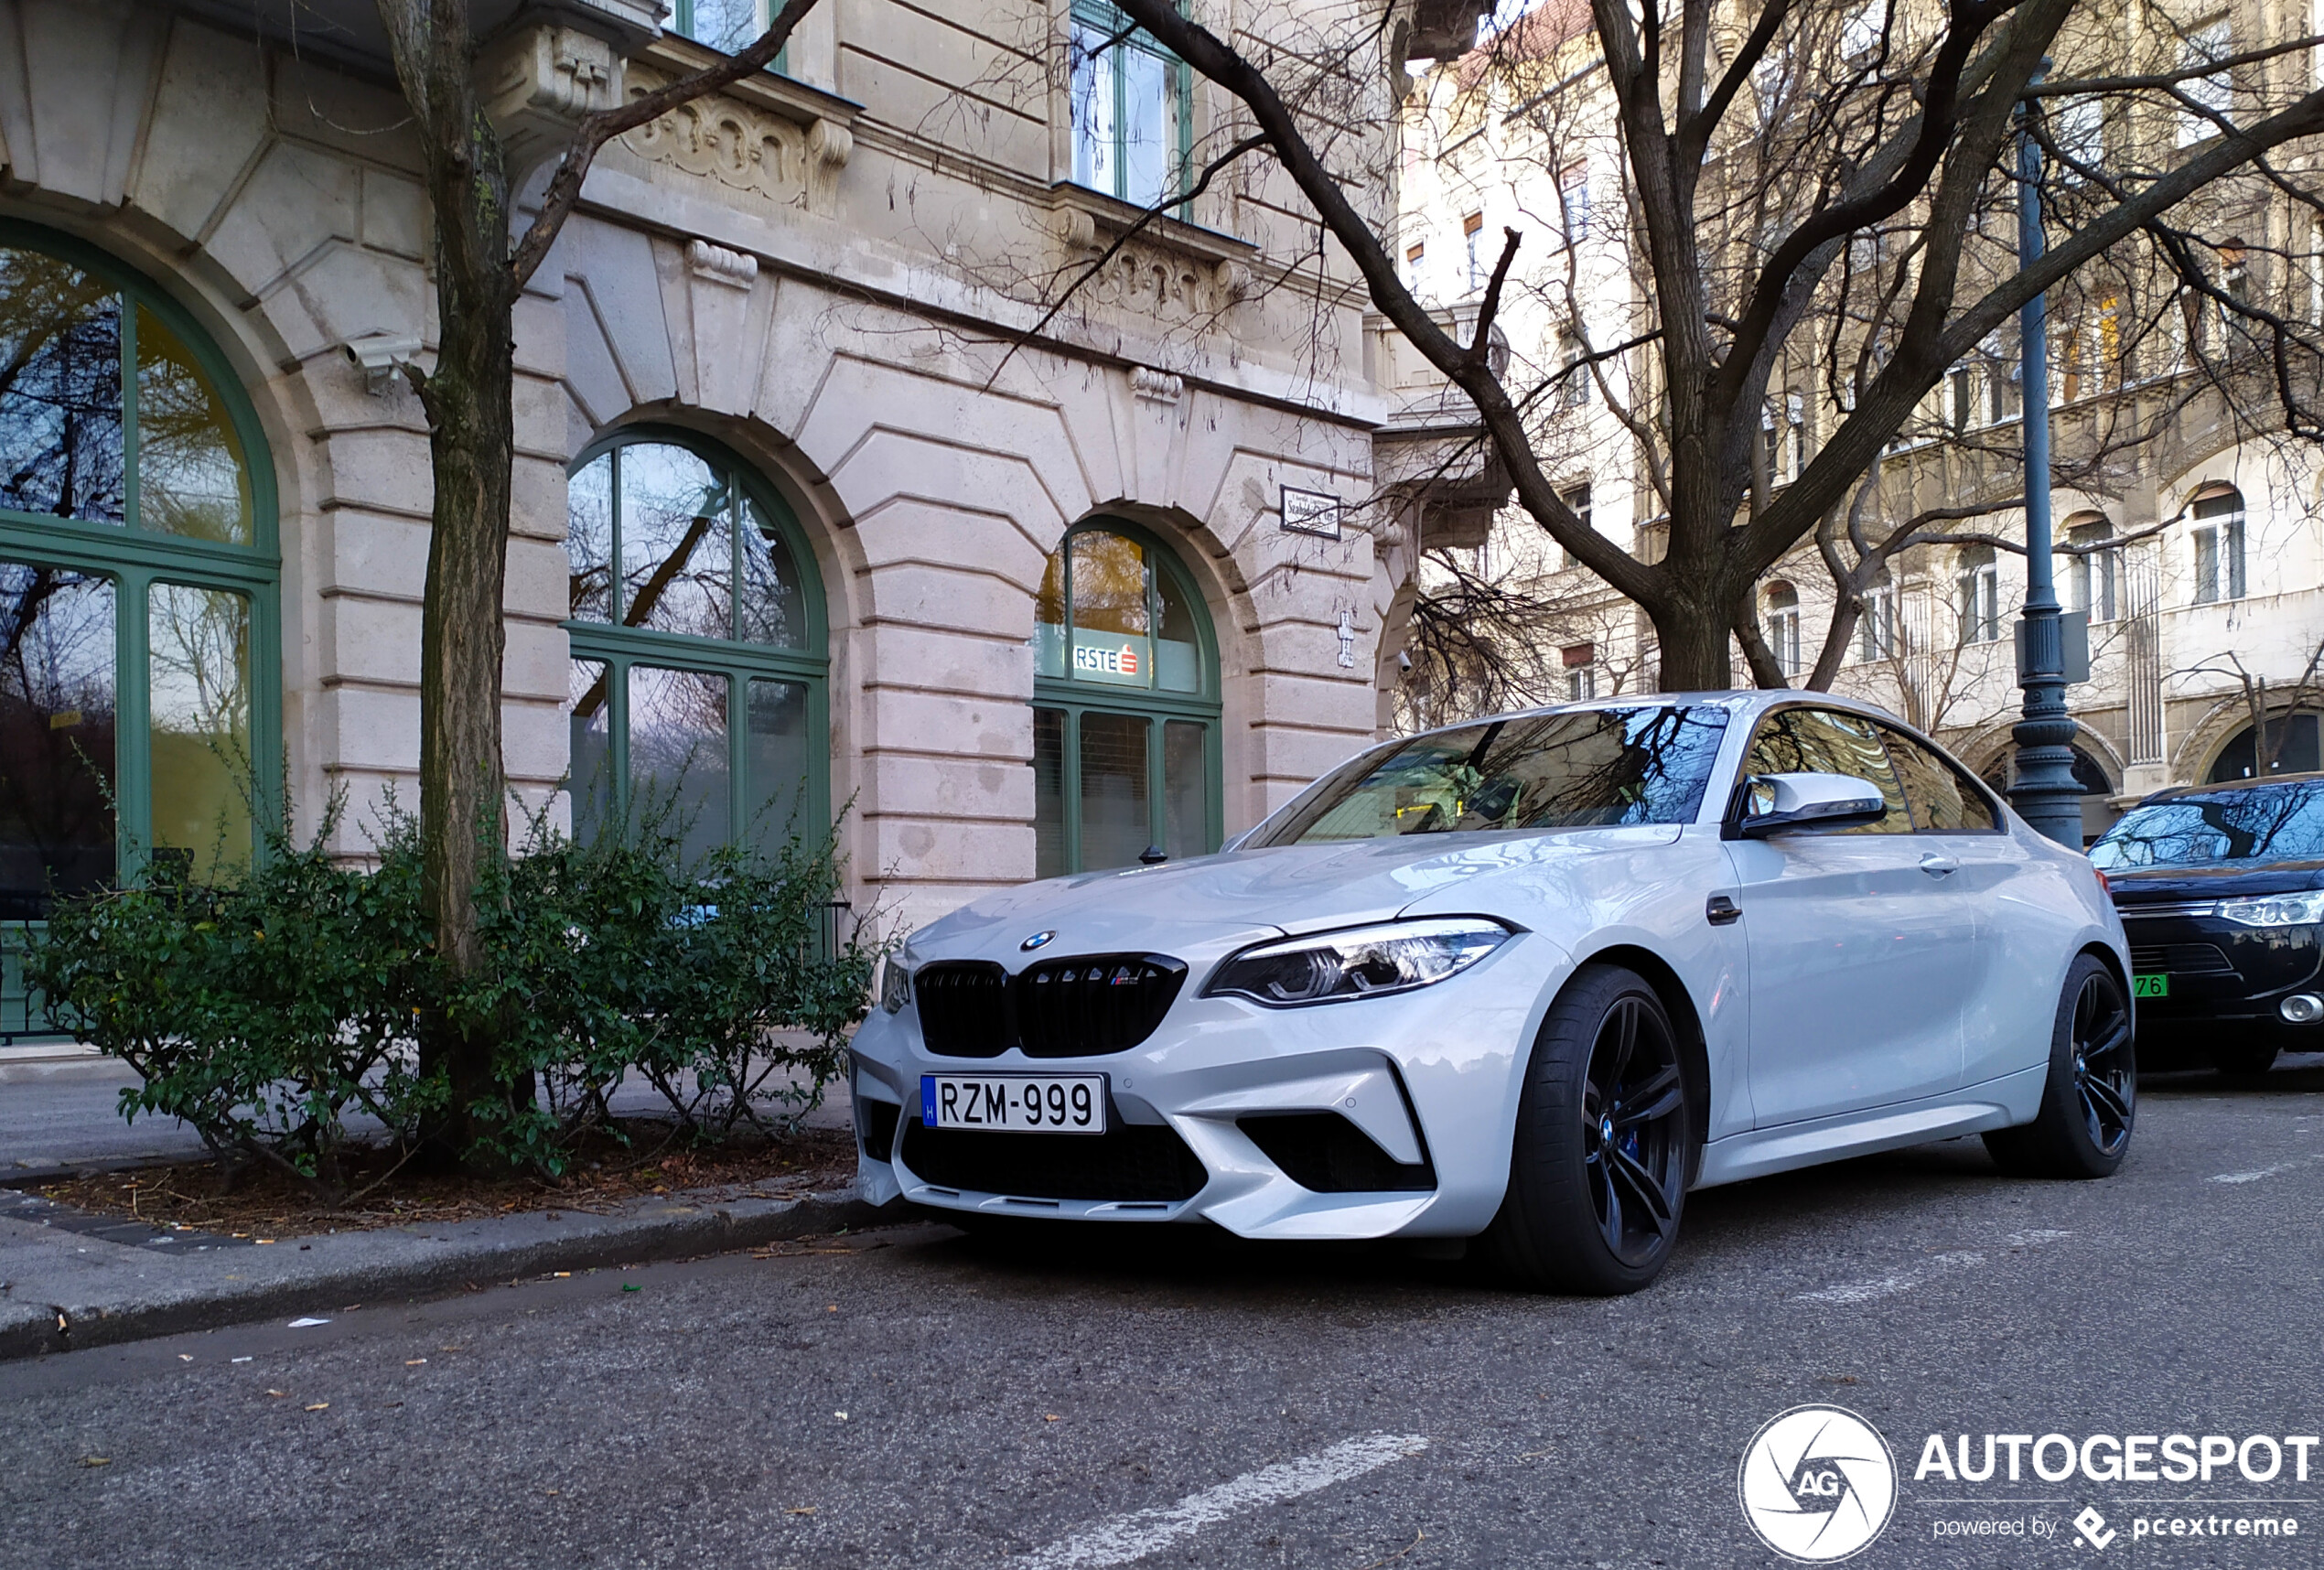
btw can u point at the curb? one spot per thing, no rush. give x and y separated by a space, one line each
31 1326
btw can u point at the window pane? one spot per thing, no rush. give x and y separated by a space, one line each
1110 619
1941 802
726 24
774 608
1049 792
1048 619
56 736
1178 653
1186 788
588 541
677 561
1093 152
191 480
1818 741
776 756
199 643
678 756
1149 131
1116 825
591 777
61 443
1585 768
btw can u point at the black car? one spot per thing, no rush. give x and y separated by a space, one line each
2220 890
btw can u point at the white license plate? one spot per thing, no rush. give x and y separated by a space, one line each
1014 1104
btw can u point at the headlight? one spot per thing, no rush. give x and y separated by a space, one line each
894 986
1364 962
2276 910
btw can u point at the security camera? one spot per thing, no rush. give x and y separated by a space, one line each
380 357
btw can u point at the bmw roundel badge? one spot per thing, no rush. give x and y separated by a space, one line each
1036 940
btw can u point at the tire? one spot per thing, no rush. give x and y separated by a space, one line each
1605 1143
2089 1100
2245 1060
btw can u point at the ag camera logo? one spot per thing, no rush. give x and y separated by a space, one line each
1817 1484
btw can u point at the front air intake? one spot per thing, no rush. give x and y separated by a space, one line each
1098 1003
963 1008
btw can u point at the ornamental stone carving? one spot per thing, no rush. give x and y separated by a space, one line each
1157 283
747 149
537 81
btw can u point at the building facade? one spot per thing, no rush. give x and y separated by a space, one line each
2195 551
825 507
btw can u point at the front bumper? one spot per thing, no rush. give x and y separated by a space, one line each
1430 1077
2220 971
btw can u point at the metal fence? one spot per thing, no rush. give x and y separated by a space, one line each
24 1015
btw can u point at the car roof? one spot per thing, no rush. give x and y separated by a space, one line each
2226 787
1736 701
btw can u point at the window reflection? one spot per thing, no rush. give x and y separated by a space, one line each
191 480
678 755
199 664
677 546
60 416
591 727
2259 823
774 607
588 541
57 714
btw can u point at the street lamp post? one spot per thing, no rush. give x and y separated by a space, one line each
2045 794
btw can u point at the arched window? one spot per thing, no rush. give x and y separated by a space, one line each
1783 626
2092 574
2217 536
1977 589
1125 705
139 641
697 686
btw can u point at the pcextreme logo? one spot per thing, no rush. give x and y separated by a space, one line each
1817 1484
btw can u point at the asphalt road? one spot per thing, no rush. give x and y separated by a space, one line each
906 1397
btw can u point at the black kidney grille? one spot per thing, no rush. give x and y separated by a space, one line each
1082 1007
1131 1161
1095 1003
963 1008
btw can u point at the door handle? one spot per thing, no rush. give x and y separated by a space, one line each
1721 911
1937 866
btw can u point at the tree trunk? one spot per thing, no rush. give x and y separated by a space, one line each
470 396
1692 646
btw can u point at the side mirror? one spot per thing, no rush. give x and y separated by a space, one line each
1776 804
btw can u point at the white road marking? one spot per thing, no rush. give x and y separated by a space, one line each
1141 1533
1906 1280
2254 1176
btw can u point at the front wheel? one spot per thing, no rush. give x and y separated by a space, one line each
1605 1142
2089 1100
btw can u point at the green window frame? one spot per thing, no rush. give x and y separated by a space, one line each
1131 107
725 23
620 651
138 559
1074 714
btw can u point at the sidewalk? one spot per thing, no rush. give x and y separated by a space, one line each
69 1279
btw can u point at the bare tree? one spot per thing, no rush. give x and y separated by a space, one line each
1809 163
2271 713
486 251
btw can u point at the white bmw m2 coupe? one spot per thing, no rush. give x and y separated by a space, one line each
1530 979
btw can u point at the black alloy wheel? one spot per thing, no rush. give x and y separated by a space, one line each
2105 1076
1605 1142
1632 1139
2090 1096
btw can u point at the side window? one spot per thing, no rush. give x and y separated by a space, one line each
1943 802
1819 741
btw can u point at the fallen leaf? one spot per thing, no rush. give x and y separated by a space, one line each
801 1510
96 1460
1052 1417
551 1492
278 1393
320 1406
831 1307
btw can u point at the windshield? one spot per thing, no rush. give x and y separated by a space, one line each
2262 823
1586 769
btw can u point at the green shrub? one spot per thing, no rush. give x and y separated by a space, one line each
268 1009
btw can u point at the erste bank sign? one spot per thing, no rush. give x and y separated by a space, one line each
1112 656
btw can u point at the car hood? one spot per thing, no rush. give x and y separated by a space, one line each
2232 880
1215 903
